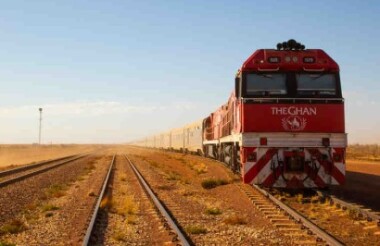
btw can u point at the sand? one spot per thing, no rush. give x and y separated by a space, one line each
14 155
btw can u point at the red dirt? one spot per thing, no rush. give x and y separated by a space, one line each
369 167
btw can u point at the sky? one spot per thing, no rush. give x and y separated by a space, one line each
117 70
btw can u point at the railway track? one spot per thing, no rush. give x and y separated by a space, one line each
94 215
165 213
301 230
178 237
11 176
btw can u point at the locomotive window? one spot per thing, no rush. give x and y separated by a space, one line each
316 84
266 84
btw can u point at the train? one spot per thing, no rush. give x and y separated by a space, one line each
283 125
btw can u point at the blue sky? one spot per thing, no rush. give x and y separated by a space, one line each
112 71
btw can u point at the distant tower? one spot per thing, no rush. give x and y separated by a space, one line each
39 132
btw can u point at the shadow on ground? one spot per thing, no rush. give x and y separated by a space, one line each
360 188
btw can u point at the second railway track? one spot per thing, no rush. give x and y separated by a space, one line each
11 176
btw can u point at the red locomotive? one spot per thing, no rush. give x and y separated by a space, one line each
283 125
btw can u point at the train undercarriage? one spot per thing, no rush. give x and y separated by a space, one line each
228 153
283 167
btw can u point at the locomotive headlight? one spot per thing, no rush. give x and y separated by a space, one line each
308 59
287 58
274 59
295 59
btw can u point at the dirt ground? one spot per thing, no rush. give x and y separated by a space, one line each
362 184
13 155
368 167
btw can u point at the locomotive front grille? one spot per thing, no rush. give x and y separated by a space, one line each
294 161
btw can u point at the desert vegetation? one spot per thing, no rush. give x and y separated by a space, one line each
368 152
212 183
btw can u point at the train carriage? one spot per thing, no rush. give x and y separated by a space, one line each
193 137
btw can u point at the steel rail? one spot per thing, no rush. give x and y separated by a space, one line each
31 166
328 238
370 215
173 225
90 227
27 175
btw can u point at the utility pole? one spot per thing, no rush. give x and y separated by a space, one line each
39 132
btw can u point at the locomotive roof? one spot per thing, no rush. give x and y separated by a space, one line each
272 60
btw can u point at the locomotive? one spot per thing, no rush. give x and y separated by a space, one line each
282 126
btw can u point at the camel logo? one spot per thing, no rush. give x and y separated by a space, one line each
294 123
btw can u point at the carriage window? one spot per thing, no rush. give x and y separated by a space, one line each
266 84
316 84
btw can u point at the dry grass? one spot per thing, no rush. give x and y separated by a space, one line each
196 229
299 198
213 211
2 243
49 207
55 191
126 207
235 220
200 168
212 183
313 213
315 199
120 236
123 178
13 155
173 176
153 163
13 227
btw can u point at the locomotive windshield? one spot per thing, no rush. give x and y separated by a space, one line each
266 84
316 84
291 85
